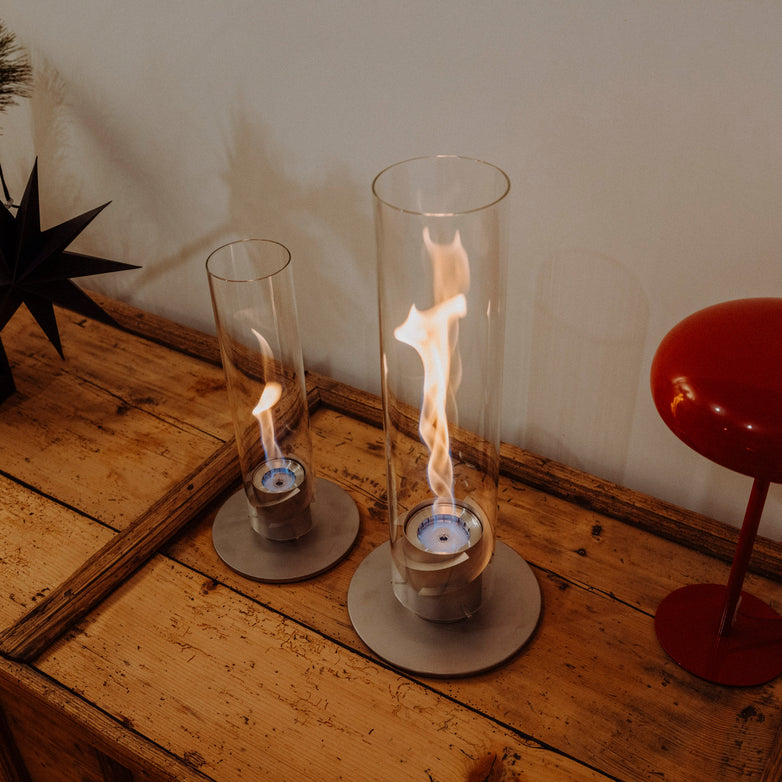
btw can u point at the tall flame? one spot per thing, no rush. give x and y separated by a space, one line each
434 334
271 394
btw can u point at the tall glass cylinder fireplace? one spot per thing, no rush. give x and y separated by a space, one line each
441 259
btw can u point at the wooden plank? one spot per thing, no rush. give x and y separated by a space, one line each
661 518
139 371
166 332
111 472
119 557
111 771
578 542
248 693
12 767
107 437
594 682
639 510
48 749
592 686
642 511
62 738
773 768
41 544
591 549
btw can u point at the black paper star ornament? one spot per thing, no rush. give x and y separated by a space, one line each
35 270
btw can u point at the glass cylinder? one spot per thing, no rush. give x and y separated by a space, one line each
442 257
251 285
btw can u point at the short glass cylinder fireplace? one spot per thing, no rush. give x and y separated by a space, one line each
281 503
441 253
255 314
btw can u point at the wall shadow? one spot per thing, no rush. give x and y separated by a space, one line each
326 224
589 331
324 218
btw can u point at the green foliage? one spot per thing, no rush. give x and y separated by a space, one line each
15 70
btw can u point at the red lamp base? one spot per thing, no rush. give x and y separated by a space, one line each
687 623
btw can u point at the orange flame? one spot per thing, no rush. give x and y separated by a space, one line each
434 334
271 394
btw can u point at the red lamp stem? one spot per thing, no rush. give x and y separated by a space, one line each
749 531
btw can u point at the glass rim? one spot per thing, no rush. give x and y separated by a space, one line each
284 264
454 213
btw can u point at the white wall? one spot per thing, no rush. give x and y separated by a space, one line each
643 140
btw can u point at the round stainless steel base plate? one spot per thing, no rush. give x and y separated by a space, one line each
507 618
335 526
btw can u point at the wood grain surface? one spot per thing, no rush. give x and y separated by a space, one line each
593 682
103 456
136 665
122 555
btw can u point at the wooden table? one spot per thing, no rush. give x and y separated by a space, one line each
128 651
